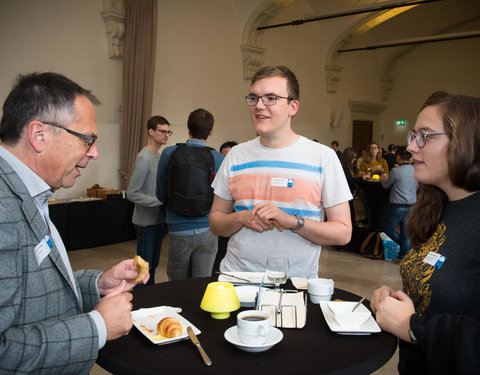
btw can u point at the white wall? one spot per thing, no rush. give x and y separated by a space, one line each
449 66
199 64
68 37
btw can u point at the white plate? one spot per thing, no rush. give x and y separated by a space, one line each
252 277
367 328
146 321
247 294
231 335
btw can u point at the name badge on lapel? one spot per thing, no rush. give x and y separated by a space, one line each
434 259
43 248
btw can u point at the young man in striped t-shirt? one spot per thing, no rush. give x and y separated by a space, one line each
272 193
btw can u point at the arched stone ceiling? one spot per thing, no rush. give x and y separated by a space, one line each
399 23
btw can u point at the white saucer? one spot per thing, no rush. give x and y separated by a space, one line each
232 337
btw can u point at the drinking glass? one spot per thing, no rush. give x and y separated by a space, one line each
278 269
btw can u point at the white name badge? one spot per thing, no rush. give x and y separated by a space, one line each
434 259
43 249
282 182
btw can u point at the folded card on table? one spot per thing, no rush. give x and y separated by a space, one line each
293 310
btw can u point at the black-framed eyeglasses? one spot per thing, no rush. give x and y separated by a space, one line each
267 100
165 132
420 136
89 140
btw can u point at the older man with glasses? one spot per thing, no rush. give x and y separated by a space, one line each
52 319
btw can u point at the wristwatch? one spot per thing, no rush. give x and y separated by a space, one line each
413 338
301 223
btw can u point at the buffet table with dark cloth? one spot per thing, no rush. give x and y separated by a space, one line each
378 200
91 223
311 350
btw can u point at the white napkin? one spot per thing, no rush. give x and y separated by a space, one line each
293 309
299 282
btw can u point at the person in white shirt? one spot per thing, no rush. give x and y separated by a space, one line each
273 192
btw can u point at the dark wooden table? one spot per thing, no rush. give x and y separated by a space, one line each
311 350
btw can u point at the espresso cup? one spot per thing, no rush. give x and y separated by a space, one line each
253 327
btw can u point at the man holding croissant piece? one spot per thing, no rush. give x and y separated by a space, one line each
52 319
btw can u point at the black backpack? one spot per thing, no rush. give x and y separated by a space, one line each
190 172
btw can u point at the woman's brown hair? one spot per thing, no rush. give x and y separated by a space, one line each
348 155
368 159
461 121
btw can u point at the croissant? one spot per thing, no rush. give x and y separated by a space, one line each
169 327
141 266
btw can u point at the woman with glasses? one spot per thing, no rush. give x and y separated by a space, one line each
437 315
373 162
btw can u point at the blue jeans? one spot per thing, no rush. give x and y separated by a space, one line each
191 255
397 215
149 244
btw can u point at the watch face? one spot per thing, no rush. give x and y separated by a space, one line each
301 222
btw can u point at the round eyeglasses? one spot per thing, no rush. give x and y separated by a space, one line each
89 140
267 100
421 137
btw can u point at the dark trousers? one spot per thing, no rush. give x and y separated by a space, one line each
149 245
397 215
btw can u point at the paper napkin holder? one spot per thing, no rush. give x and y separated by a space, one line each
293 309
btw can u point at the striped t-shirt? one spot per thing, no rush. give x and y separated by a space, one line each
300 179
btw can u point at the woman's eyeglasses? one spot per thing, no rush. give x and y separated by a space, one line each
420 136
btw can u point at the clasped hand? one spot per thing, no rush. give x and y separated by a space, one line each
266 216
393 310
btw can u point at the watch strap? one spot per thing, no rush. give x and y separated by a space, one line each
301 223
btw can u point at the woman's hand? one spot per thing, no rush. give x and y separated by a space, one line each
393 310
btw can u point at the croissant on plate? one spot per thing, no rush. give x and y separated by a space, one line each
169 327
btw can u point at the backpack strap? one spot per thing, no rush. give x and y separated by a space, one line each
377 242
378 254
365 242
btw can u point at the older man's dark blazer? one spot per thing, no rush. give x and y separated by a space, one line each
44 327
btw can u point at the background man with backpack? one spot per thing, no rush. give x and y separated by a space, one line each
185 173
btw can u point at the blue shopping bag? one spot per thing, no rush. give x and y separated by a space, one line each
390 247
